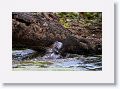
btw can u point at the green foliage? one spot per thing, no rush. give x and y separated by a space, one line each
65 23
86 17
92 15
66 17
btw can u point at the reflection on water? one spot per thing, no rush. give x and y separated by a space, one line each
22 60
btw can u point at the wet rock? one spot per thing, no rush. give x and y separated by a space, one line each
22 54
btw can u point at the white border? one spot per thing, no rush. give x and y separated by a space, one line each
104 76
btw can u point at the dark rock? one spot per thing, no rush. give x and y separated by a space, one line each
39 31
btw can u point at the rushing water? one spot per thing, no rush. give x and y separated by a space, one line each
52 60
22 60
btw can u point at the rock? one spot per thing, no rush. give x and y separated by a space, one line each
35 34
22 54
39 31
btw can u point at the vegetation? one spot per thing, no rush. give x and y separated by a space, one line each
87 18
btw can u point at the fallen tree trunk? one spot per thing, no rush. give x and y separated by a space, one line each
39 31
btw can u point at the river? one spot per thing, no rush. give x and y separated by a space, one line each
30 60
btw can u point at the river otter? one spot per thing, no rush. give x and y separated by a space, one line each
53 52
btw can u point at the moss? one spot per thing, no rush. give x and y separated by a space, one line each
43 62
36 63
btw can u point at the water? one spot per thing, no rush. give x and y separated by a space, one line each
53 61
22 54
72 62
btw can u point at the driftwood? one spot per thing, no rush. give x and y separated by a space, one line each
39 31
